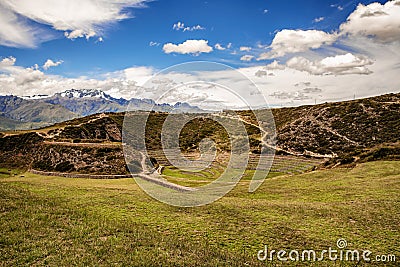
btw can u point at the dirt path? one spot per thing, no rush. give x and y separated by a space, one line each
157 179
264 136
83 144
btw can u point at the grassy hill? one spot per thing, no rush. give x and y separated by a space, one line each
348 132
340 128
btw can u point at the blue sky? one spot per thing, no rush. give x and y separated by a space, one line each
87 40
242 23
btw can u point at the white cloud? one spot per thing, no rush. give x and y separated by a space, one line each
79 33
284 86
138 74
316 20
76 18
22 81
245 48
14 32
337 6
178 26
17 77
336 65
294 41
194 47
196 28
246 58
151 43
7 62
50 63
375 20
181 26
219 47
265 11
381 80
275 66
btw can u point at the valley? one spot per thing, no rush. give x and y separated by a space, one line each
333 175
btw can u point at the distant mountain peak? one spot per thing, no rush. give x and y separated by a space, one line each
83 93
182 105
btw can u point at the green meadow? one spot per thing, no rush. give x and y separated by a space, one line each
59 221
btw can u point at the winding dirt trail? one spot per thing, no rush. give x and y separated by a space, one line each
265 133
157 179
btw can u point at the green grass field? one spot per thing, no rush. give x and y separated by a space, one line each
63 221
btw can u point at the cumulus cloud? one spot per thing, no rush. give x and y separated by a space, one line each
294 41
286 86
219 46
7 62
50 63
17 77
378 21
245 48
353 43
336 65
22 81
194 47
180 26
79 33
275 65
382 22
138 74
246 58
76 18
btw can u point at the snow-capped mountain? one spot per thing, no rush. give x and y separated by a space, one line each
43 110
83 93
89 101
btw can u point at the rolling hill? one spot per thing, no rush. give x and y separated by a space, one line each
336 133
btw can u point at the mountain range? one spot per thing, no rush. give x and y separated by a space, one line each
30 112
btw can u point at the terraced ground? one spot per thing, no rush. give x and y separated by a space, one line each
288 165
346 133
